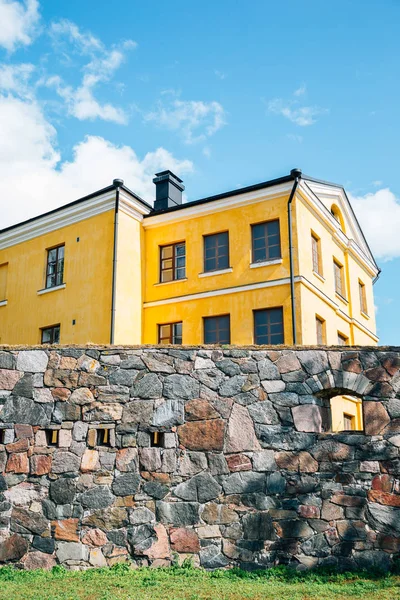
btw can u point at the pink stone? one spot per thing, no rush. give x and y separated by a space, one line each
95 537
202 435
40 464
23 431
184 540
39 560
90 461
160 548
127 460
8 378
240 435
307 417
309 512
375 417
383 483
238 462
18 463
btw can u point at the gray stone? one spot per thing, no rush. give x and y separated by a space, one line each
32 361
141 538
169 414
81 396
98 497
277 438
217 464
138 411
244 483
126 485
372 559
232 386
200 488
25 410
150 459
284 399
181 387
74 551
132 362
112 393
258 526
264 412
29 521
178 513
147 385
267 369
293 528
211 378
24 387
273 386
314 361
65 462
7 360
160 363
155 489
276 483
123 377
385 519
191 463
211 557
264 461
45 545
142 515
117 537
79 431
228 367
62 491
393 407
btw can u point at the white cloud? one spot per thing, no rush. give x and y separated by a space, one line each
301 90
18 23
33 178
81 101
15 79
194 120
303 116
379 216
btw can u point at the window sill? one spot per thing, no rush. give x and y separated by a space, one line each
52 289
319 276
217 272
342 298
363 314
265 263
172 281
3 302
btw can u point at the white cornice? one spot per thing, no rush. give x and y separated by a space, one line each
73 214
214 206
56 220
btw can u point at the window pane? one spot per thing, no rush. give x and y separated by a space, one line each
268 326
217 330
56 336
52 255
166 276
46 336
166 252
266 241
216 251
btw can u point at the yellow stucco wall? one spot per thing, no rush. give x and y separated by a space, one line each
86 297
341 405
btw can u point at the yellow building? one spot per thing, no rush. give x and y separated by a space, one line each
284 261
280 262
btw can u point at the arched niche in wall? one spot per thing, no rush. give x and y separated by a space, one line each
343 411
337 214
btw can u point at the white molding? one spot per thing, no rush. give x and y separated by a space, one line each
3 303
68 215
217 205
51 289
219 272
266 263
221 292
168 282
319 276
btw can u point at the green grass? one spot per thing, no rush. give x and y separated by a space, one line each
180 583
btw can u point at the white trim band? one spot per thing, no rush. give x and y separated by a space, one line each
219 272
3 303
52 289
266 263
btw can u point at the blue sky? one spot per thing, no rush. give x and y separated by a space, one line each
224 93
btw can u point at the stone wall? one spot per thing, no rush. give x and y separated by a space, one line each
244 474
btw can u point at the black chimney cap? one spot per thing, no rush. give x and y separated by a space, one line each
170 176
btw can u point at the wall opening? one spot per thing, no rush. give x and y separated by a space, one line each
342 411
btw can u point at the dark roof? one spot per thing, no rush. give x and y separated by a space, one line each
109 188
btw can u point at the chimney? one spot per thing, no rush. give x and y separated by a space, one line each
169 190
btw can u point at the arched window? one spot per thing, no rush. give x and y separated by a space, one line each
335 212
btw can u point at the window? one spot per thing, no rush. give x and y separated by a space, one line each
363 297
266 241
173 262
348 422
3 281
321 331
55 267
316 254
216 251
51 335
342 339
103 437
339 283
157 439
52 437
170 333
217 330
268 326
